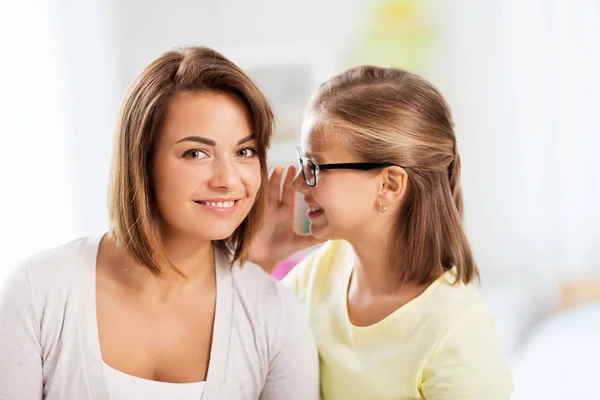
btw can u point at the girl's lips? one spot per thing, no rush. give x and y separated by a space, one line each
315 213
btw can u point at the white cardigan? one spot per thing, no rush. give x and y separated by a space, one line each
262 346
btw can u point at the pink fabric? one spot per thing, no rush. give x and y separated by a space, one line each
284 267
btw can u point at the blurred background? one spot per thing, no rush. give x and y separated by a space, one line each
521 77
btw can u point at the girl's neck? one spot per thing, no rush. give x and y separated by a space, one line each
375 271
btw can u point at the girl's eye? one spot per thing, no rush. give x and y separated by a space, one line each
247 152
195 154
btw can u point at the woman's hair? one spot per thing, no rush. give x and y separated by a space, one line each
391 115
134 217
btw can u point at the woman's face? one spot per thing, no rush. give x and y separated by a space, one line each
205 172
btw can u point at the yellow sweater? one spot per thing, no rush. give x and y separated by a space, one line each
441 345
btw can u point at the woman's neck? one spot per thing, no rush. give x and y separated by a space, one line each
194 259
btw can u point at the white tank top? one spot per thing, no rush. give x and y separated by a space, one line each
122 386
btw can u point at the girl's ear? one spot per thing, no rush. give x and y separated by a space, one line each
394 185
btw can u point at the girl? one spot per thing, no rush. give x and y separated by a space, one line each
387 294
162 307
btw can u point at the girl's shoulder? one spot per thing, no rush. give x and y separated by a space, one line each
324 265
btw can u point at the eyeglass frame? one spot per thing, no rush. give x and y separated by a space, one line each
356 166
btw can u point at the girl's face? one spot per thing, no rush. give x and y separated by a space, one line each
205 171
344 204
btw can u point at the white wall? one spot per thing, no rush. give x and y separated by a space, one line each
145 30
87 33
57 106
36 169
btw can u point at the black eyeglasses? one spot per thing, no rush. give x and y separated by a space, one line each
310 169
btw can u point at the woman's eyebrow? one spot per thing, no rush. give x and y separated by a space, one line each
246 139
210 142
198 139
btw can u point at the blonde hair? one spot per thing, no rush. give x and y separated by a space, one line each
391 115
133 213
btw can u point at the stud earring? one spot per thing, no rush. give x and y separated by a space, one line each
382 208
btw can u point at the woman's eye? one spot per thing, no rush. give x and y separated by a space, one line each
194 154
247 152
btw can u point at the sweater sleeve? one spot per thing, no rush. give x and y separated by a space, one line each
294 370
20 351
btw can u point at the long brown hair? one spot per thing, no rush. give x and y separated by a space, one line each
133 213
391 115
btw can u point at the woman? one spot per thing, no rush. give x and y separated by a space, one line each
162 306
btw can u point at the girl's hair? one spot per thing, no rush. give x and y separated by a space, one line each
391 115
133 212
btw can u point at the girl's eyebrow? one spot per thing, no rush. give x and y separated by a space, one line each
313 156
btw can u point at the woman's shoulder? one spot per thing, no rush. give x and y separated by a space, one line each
55 269
62 259
44 285
269 307
259 290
